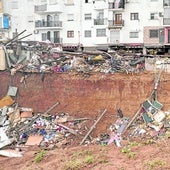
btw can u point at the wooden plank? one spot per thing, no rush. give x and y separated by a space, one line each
91 129
133 118
69 129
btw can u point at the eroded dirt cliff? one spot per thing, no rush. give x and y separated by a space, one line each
85 96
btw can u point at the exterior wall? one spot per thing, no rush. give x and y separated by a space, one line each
72 25
21 20
1 7
147 39
144 8
93 9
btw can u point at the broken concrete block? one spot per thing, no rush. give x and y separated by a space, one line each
14 117
3 119
26 114
11 153
12 91
4 140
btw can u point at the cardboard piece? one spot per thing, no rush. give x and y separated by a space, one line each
34 140
6 101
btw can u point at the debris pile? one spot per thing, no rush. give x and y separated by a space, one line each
21 127
43 57
149 123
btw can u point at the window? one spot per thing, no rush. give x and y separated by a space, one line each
166 2
70 17
100 32
69 2
86 1
70 34
154 16
52 2
153 33
87 33
14 5
87 17
134 34
44 36
134 16
100 14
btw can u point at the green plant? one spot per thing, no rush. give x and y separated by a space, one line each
156 164
88 152
89 159
128 152
134 143
103 161
73 164
149 142
76 154
39 156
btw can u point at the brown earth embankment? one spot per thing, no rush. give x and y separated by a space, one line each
86 95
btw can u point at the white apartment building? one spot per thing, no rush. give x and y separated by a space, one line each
92 23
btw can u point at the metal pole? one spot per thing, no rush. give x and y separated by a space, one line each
14 38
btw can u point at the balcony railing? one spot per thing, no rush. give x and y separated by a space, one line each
114 5
40 8
48 23
116 23
166 21
100 21
57 40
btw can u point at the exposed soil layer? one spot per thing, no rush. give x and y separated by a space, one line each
82 96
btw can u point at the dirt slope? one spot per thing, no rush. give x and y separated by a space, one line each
83 96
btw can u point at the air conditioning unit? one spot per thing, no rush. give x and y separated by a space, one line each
36 31
127 1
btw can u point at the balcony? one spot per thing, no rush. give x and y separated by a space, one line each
40 8
100 21
166 21
166 3
47 24
116 6
116 23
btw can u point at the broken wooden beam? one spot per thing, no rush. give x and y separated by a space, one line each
52 107
133 118
91 129
69 129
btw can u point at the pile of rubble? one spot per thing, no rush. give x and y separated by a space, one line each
150 122
47 58
20 127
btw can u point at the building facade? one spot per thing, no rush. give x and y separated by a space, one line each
92 23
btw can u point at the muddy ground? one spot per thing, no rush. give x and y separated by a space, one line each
86 96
